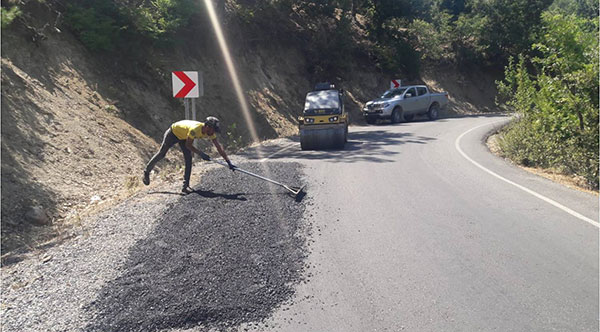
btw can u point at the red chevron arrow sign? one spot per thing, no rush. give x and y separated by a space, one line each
394 84
185 84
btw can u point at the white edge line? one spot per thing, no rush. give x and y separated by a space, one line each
277 152
527 190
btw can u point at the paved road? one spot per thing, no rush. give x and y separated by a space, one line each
412 235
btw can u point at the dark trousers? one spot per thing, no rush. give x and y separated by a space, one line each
168 141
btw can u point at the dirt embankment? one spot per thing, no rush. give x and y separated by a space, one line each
78 127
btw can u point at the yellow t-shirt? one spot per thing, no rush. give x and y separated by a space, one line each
188 128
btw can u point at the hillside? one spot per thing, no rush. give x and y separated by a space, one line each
78 127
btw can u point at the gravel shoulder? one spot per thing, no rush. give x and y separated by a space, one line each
227 254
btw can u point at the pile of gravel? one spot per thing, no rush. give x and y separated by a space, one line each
227 254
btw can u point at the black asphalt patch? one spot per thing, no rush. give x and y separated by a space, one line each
228 253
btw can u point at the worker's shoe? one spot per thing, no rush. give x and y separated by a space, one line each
186 189
146 178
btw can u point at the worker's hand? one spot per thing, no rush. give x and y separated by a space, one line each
204 156
231 167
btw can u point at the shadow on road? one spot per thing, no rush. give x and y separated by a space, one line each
167 193
362 146
367 144
203 193
210 194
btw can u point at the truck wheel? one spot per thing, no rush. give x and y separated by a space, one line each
396 115
434 112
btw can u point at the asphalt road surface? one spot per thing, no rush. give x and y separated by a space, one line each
419 228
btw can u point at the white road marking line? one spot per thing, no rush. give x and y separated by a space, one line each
527 190
277 152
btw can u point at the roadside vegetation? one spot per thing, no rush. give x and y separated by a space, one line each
401 35
107 25
554 90
8 15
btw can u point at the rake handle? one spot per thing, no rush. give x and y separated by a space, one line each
252 174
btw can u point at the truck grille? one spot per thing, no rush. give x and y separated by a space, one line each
375 108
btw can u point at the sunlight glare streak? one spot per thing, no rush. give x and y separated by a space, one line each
231 69
240 95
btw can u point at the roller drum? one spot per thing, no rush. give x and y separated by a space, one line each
314 138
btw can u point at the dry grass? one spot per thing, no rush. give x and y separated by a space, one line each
571 181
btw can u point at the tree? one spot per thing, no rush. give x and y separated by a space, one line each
557 98
511 25
580 8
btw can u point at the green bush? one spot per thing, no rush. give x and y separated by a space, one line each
330 49
234 138
325 35
8 15
527 142
160 20
512 25
393 50
98 24
104 25
468 42
398 58
433 40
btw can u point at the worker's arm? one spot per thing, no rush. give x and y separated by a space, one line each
223 154
220 149
189 143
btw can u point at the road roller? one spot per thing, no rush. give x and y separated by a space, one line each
324 121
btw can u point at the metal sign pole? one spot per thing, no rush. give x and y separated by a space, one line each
193 108
187 108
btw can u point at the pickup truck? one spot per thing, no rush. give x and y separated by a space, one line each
404 103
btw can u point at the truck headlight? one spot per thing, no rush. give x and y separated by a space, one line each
309 120
333 119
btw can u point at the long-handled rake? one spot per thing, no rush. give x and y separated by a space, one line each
298 192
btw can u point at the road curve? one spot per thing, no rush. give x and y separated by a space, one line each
413 232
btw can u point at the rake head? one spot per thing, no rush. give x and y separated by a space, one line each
297 192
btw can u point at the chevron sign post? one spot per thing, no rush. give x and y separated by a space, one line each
394 84
188 85
185 84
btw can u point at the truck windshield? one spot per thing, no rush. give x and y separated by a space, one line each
322 102
393 93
